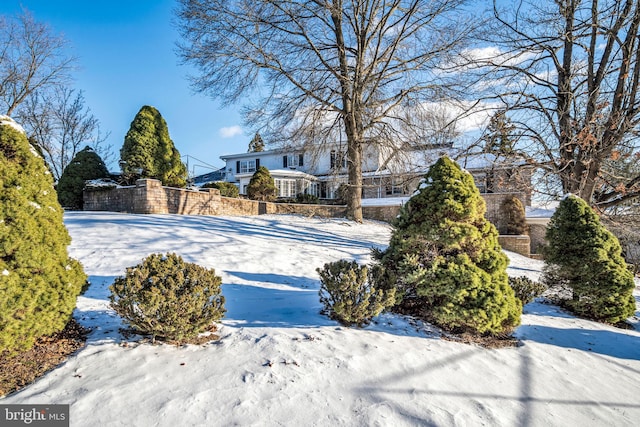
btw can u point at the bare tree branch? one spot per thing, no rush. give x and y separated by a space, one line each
32 58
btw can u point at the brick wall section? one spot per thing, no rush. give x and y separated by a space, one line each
517 244
537 233
148 196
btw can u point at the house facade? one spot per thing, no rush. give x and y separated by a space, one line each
321 172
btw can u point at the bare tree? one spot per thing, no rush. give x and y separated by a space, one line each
59 125
329 71
568 73
32 58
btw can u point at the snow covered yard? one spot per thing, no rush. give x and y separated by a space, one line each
279 362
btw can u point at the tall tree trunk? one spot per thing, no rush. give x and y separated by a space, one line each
351 117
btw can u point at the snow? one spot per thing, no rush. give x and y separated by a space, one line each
280 362
8 121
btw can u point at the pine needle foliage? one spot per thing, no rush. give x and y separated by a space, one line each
513 212
584 257
39 282
445 259
168 298
86 165
526 290
348 294
262 186
149 152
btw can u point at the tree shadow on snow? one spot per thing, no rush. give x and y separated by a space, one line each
608 343
301 282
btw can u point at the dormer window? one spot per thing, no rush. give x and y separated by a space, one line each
292 160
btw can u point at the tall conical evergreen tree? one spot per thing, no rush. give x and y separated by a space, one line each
445 258
149 152
261 186
39 283
584 256
256 145
86 165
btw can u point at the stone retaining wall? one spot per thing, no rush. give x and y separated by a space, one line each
148 196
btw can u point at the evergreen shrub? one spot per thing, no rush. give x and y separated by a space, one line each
308 199
149 152
526 290
262 186
513 212
227 189
348 294
86 165
583 256
39 282
445 259
168 298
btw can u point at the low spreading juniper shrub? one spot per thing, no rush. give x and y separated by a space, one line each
168 298
348 294
526 290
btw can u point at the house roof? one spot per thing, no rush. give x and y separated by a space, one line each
255 154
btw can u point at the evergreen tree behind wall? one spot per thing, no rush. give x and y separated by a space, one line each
261 186
149 152
39 282
86 165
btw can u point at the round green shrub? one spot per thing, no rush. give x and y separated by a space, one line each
86 165
445 258
348 295
227 189
584 257
39 282
168 298
526 290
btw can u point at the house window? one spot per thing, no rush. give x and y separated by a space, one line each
286 187
395 188
293 160
338 159
247 166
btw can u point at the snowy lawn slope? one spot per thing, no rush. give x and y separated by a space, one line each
279 362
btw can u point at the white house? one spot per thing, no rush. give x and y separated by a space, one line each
320 172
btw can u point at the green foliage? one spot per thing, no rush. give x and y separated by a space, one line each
256 144
86 165
39 283
583 256
227 189
499 138
149 152
348 294
309 199
261 186
445 258
513 212
526 290
168 298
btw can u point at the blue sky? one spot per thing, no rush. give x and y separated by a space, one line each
127 59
